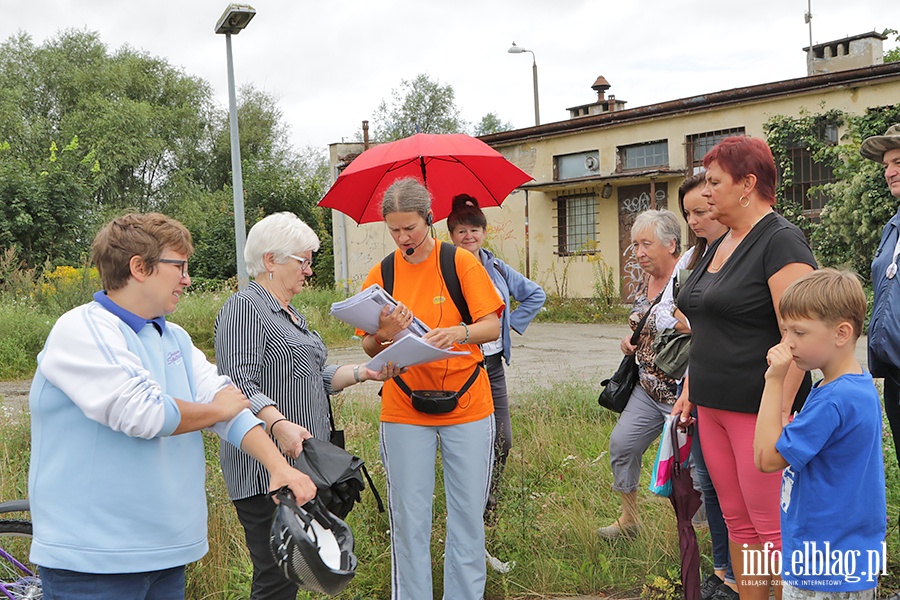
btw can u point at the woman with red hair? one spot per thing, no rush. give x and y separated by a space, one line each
731 299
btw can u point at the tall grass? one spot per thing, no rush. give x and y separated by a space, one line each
555 492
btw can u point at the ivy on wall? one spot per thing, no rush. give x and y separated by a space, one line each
785 134
858 202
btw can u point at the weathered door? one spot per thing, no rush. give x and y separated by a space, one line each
634 199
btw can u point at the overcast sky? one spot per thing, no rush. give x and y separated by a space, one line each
329 64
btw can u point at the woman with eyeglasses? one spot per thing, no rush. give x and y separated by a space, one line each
268 350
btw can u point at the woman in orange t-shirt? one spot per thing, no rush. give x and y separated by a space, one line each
409 437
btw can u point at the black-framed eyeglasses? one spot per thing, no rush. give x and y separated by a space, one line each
304 262
181 263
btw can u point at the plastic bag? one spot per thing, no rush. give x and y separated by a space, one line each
661 477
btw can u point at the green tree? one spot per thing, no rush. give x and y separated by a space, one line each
296 185
275 178
263 138
43 206
892 55
136 117
422 105
491 123
136 133
859 201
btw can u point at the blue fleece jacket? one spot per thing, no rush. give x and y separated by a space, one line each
111 489
511 283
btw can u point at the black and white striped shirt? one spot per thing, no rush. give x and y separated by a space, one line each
274 361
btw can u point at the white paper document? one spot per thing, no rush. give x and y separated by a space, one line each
409 351
363 309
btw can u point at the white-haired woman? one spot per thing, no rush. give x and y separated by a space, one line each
265 346
656 243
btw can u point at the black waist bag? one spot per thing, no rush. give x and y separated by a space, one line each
436 402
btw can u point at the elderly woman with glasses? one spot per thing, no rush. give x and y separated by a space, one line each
268 350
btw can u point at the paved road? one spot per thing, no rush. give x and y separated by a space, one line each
551 352
547 352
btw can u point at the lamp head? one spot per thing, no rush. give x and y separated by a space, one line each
516 49
235 18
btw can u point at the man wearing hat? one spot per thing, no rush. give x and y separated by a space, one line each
884 327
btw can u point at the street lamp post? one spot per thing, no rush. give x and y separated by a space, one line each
233 21
519 50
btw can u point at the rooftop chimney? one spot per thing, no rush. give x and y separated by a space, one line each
601 105
600 86
854 52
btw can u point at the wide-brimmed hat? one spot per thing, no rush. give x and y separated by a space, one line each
874 147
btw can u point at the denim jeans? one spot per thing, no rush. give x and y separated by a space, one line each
59 584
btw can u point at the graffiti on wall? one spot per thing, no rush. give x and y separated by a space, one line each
634 199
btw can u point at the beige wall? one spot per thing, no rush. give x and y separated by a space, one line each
574 276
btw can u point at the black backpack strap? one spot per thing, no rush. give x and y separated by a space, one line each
387 273
451 279
448 273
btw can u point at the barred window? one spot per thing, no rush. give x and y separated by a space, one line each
809 174
576 224
640 156
698 144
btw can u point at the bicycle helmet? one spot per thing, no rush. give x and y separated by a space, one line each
311 546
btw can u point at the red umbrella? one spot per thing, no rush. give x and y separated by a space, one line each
448 164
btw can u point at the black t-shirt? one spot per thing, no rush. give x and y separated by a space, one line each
733 321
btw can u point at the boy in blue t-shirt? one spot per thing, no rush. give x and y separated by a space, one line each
833 510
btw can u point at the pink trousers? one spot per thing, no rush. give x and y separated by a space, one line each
750 500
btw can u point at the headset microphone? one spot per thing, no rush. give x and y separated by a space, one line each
411 251
429 219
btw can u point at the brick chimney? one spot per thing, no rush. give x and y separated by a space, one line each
854 52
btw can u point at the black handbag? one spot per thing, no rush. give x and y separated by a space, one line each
341 490
437 402
617 389
338 475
